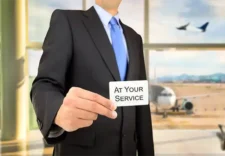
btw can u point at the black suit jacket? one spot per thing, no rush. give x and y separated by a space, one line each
78 53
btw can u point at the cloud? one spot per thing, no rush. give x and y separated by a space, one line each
218 7
197 9
167 7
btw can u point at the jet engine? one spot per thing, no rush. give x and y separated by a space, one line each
187 106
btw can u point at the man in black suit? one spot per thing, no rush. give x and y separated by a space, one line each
83 52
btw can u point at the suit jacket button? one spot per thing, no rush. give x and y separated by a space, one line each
124 135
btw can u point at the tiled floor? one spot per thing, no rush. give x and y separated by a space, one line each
167 143
187 143
38 152
33 147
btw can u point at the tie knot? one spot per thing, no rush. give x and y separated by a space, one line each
113 21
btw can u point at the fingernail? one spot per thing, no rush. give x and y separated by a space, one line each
114 114
113 106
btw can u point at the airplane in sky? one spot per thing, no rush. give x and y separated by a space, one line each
165 98
189 27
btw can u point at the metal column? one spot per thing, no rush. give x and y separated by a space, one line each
14 119
146 35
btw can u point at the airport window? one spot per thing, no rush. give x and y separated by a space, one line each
182 39
197 79
39 14
160 32
186 22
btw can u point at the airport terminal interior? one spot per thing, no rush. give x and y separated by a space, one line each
184 49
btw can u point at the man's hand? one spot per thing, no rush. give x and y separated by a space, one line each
81 107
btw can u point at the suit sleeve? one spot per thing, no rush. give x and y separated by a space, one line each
48 89
145 143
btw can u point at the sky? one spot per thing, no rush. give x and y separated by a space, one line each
186 62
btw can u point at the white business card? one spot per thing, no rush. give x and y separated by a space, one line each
129 93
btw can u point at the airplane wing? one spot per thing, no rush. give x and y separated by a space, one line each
183 27
196 96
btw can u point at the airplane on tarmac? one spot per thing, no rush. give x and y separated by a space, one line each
189 27
166 99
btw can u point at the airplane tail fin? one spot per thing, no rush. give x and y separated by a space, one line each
204 27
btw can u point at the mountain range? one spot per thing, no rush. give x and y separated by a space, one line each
212 78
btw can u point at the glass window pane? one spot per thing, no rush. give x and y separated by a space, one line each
89 3
187 62
183 21
197 76
197 79
131 14
40 12
33 63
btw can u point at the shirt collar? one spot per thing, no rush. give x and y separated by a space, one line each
104 16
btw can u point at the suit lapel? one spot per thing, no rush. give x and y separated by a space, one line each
133 66
96 30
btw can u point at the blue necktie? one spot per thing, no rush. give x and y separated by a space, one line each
119 47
